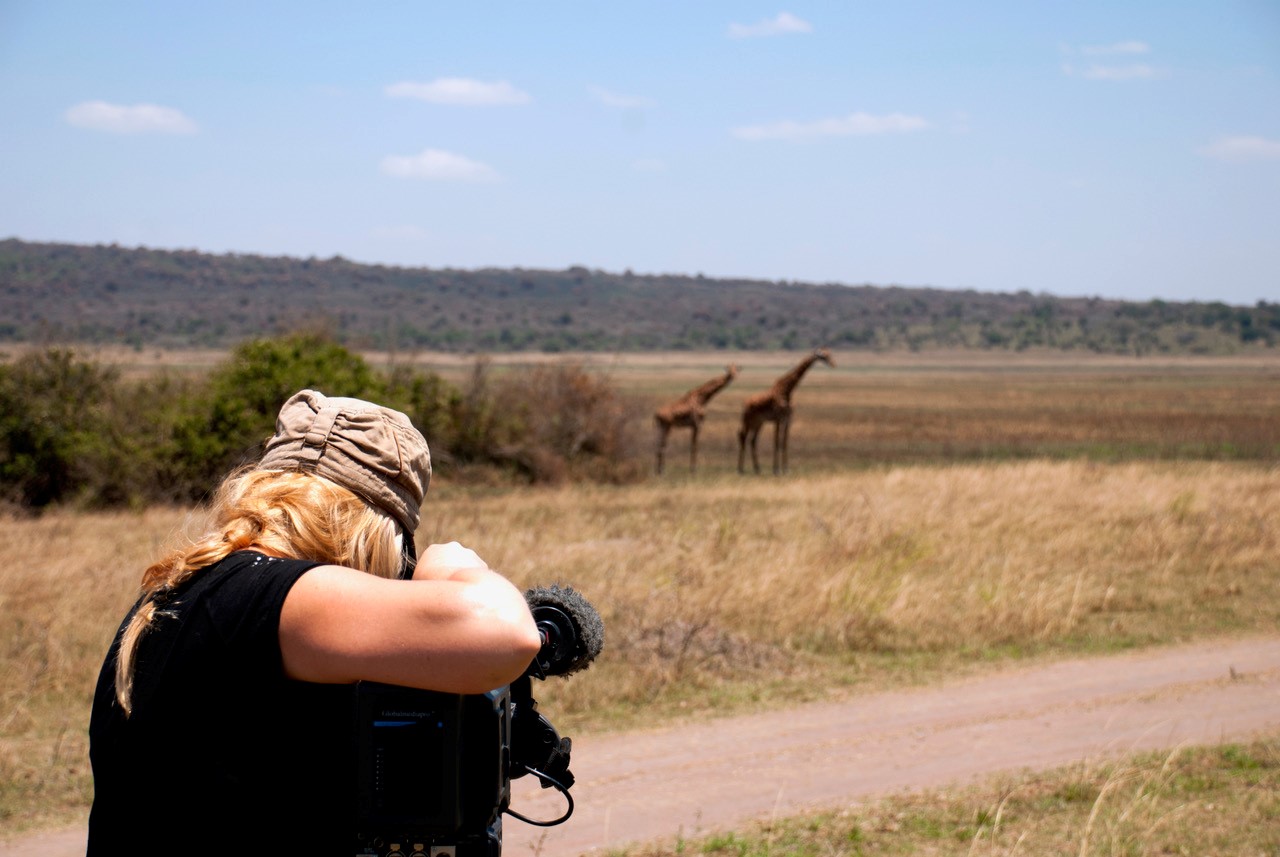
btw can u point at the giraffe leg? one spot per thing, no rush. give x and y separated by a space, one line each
777 446
785 428
742 450
755 458
693 450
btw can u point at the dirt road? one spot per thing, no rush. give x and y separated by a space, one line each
716 775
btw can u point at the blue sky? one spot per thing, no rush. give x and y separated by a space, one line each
1118 149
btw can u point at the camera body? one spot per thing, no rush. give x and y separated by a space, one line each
433 772
435 769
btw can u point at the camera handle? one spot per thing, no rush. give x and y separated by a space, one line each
538 749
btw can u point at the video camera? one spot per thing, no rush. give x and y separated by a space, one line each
435 769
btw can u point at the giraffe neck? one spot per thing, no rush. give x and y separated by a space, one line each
788 382
703 394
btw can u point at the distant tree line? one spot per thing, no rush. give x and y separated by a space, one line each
74 432
63 293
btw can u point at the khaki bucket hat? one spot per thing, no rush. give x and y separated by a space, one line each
373 451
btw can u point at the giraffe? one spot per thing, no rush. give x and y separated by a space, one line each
688 411
774 405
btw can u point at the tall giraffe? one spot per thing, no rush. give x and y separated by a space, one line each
774 406
689 411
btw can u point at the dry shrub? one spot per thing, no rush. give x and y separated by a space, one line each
564 422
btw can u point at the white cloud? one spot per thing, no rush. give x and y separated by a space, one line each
460 90
784 23
129 119
1132 71
613 99
649 165
853 125
437 165
1129 47
1242 149
1136 71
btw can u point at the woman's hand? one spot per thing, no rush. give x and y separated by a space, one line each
448 561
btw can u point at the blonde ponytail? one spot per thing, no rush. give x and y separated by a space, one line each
291 513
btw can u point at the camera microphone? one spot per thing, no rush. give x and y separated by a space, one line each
571 629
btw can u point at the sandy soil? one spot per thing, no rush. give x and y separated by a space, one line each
718 774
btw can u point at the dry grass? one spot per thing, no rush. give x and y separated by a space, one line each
730 592
724 591
1194 801
871 411
69 580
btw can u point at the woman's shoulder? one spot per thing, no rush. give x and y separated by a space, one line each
256 559
251 575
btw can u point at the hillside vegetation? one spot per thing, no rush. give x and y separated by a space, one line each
67 293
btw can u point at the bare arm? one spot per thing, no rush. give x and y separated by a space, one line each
450 561
457 627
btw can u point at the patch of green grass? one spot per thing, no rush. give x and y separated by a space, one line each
1222 800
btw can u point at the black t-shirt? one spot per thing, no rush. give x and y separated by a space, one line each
223 754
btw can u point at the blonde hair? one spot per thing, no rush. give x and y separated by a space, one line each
287 512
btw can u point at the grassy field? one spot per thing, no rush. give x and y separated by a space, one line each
875 409
940 515
872 410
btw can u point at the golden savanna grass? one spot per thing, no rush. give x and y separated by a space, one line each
890 409
731 592
714 591
720 591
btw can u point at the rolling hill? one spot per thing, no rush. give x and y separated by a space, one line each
99 294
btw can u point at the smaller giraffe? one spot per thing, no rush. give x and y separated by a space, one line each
689 411
774 406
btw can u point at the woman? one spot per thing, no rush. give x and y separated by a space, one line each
222 720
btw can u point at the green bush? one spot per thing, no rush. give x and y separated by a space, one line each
226 424
56 439
73 432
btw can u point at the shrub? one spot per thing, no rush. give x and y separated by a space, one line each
71 431
226 424
561 422
432 404
55 437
